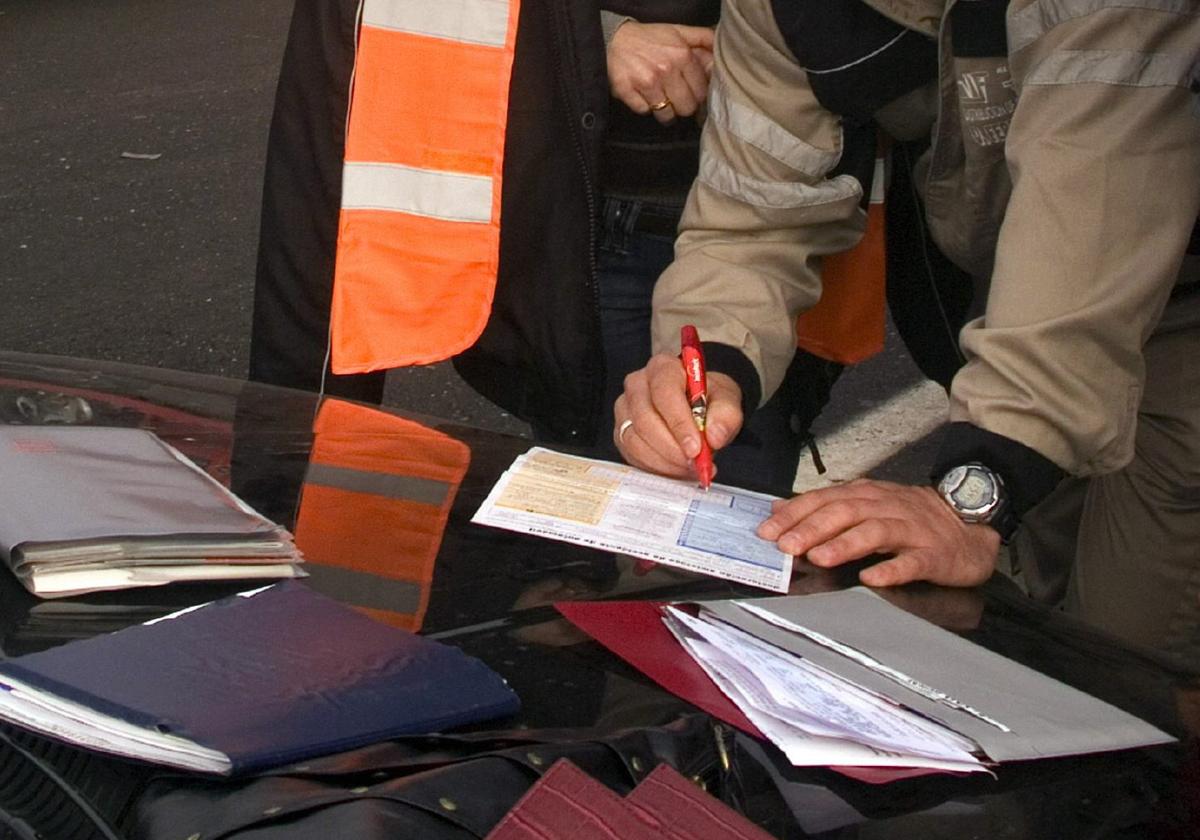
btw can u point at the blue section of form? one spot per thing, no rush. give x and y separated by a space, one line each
725 525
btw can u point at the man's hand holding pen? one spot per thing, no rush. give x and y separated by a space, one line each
655 429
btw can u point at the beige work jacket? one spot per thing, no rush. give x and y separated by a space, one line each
1075 186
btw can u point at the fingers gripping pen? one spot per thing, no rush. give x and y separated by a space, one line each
697 394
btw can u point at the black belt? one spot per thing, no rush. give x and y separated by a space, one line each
630 216
657 221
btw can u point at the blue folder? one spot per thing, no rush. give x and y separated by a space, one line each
267 679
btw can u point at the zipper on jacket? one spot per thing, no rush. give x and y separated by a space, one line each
597 382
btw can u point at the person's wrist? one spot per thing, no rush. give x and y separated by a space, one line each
977 495
985 542
610 22
1028 476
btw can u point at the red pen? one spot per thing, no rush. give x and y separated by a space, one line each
697 394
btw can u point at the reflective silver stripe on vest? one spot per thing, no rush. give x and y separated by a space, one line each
426 491
470 21
765 134
1112 67
423 192
775 194
1034 21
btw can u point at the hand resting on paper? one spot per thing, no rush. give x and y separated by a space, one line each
925 540
663 437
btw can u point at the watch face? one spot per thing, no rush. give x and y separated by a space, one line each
973 491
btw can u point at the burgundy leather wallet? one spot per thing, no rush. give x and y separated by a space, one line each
568 804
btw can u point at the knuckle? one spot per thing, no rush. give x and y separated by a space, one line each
865 537
682 426
915 564
660 362
840 509
644 77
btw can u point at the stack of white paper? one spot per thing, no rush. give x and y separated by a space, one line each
84 509
815 717
619 508
845 678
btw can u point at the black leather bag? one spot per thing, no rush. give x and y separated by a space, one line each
438 787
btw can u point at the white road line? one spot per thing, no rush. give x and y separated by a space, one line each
867 440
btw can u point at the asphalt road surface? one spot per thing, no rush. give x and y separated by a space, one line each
132 137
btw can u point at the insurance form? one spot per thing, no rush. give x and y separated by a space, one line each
623 509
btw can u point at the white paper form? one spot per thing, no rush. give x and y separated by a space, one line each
813 716
620 508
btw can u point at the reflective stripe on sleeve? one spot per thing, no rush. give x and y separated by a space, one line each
764 134
1112 67
775 194
1034 21
437 195
470 21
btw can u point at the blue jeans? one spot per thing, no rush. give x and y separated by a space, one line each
766 453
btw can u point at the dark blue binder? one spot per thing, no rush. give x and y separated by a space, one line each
268 678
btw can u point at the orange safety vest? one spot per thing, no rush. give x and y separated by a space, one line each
374 507
419 232
849 322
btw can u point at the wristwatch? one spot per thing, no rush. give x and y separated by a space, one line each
976 494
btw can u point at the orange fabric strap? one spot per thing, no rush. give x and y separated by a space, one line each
848 324
419 232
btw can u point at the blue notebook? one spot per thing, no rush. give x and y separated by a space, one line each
252 681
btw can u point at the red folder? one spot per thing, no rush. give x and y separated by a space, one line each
634 631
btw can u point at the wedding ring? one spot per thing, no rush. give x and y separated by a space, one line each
666 103
623 429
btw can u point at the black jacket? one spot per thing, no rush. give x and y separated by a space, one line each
540 356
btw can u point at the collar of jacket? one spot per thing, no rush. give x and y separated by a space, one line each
924 16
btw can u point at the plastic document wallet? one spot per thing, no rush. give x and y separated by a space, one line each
257 680
86 508
1011 712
